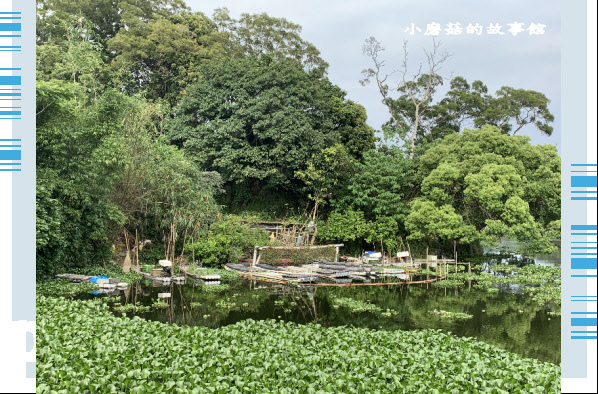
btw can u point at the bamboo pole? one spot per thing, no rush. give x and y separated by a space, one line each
297 247
136 250
455 253
427 263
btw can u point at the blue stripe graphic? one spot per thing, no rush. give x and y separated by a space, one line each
583 181
10 154
10 27
583 322
583 263
19 113
10 80
584 227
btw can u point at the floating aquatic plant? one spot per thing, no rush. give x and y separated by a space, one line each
134 355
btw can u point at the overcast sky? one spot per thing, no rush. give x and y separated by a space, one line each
338 28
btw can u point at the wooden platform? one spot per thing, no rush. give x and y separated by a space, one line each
73 277
310 269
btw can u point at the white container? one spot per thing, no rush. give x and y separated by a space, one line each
402 254
165 263
376 255
163 295
210 277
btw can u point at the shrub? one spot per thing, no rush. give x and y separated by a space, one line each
227 240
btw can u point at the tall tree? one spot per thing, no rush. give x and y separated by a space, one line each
415 95
107 17
79 158
418 116
492 180
78 57
258 34
161 57
257 121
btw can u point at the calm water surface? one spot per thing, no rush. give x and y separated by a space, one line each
507 319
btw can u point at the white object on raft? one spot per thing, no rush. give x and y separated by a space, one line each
163 295
402 254
210 277
165 263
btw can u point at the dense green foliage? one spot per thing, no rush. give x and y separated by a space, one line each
258 34
226 240
487 182
79 156
257 121
100 172
251 355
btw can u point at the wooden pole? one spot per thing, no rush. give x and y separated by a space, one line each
455 253
336 254
427 263
254 255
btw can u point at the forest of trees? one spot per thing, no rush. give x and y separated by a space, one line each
158 121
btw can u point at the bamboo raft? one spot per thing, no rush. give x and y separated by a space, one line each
277 277
73 277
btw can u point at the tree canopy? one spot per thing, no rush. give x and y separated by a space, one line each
492 181
417 115
259 120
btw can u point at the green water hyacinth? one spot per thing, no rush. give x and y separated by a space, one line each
135 308
63 287
448 283
82 347
354 305
159 304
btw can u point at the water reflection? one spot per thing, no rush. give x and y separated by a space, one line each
507 319
506 246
